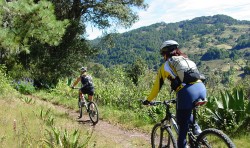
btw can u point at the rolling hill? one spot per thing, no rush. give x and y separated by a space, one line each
214 40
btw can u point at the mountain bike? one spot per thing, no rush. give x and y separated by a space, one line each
163 136
91 108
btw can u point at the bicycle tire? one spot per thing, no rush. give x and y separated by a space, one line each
214 138
93 112
80 109
162 137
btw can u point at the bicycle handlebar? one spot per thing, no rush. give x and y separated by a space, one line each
166 102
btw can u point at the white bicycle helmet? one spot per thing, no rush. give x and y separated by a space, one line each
83 69
166 44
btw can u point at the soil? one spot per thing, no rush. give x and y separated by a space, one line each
110 134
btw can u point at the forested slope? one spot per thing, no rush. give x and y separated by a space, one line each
203 38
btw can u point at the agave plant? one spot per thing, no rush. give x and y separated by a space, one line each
57 138
229 111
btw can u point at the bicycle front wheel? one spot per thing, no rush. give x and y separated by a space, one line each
214 138
162 137
93 112
80 105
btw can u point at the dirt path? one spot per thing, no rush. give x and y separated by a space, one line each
118 136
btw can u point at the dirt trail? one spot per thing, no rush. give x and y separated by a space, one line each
118 136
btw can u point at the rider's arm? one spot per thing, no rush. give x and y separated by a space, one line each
159 81
76 82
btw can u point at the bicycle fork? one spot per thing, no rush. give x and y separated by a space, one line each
167 124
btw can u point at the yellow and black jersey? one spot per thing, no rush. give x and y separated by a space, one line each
169 72
164 72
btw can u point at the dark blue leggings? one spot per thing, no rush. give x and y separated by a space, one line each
184 118
185 99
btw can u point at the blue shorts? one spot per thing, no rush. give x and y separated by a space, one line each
89 91
190 93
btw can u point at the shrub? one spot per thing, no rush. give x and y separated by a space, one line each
5 87
227 112
25 86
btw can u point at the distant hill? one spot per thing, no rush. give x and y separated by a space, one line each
209 38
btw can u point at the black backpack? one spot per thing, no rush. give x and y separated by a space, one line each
185 69
87 81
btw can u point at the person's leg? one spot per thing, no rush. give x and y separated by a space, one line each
197 130
81 95
186 97
90 94
183 119
90 97
83 92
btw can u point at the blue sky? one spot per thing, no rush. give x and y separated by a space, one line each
171 11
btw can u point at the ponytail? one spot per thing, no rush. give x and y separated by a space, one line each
177 52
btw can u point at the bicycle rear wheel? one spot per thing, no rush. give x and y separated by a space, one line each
93 112
162 137
214 138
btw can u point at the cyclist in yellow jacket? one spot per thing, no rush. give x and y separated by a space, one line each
187 93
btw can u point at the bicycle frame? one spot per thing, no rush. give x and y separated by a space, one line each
170 119
84 100
169 116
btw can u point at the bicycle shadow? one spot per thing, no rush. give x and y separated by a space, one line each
81 121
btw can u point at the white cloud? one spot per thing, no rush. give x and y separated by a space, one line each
178 10
93 33
189 9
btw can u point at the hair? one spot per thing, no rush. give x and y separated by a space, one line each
173 51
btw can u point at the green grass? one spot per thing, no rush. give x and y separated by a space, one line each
242 141
31 129
22 126
17 125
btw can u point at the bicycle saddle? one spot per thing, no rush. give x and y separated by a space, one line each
200 102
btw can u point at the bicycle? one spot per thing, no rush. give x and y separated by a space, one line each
91 109
163 137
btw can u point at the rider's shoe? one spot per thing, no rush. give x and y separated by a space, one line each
197 129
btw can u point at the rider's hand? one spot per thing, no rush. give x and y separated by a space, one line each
145 102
